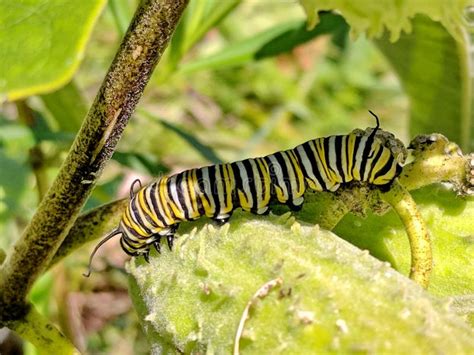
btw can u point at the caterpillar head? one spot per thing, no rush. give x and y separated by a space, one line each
129 243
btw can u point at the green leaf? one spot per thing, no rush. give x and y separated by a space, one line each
203 149
42 43
67 106
433 70
141 162
449 220
372 17
122 14
333 297
329 24
276 40
198 18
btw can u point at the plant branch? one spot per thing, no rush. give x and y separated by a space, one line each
141 48
42 334
420 245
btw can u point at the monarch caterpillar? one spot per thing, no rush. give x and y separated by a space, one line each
322 164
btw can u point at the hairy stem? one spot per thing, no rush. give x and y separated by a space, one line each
141 48
42 334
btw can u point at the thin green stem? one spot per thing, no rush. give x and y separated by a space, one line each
421 254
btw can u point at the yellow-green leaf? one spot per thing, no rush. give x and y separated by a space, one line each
371 17
42 43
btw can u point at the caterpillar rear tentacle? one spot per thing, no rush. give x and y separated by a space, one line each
322 164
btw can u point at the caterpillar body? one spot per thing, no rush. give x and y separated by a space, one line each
322 164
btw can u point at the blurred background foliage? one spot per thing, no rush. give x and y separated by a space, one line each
240 79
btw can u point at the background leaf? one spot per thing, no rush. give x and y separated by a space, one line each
372 17
279 39
42 43
434 72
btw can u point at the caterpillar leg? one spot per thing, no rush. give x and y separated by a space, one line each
296 204
146 255
157 245
222 219
170 240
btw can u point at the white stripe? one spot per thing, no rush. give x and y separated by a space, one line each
291 173
174 192
160 206
280 182
245 182
344 158
220 190
307 166
258 183
208 188
327 179
187 197
333 156
150 206
359 153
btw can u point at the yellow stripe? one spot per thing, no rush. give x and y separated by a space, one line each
192 193
144 205
350 141
384 158
228 186
322 160
162 193
298 171
206 202
266 180
132 223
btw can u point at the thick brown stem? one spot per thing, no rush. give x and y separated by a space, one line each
141 48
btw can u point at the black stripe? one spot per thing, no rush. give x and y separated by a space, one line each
170 197
202 187
339 152
128 246
314 163
284 173
199 192
386 168
356 148
147 215
180 193
349 172
262 172
326 155
138 219
300 162
295 167
252 181
222 182
227 189
365 155
238 183
154 202
213 184
134 232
